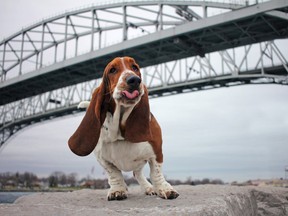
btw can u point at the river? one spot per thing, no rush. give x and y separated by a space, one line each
10 197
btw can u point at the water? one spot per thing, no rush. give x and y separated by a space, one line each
10 197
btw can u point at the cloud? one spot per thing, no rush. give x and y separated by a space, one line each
241 128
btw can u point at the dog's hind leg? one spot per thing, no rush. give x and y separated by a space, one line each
144 184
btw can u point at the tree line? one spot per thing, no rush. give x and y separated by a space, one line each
58 179
31 180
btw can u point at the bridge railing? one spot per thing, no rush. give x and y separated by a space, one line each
237 62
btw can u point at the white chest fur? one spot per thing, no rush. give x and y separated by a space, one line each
112 148
126 156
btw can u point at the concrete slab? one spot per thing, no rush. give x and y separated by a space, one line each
193 200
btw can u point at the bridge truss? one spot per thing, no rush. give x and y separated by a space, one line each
66 37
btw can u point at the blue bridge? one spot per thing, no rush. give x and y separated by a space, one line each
181 46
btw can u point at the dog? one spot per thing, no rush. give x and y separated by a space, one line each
124 135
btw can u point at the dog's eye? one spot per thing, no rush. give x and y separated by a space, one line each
135 68
112 70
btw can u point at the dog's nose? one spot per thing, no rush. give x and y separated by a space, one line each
133 81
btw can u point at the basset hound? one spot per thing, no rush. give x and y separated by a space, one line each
123 134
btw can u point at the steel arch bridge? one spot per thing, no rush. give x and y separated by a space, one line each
48 67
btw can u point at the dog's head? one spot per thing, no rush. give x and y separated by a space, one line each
123 80
122 85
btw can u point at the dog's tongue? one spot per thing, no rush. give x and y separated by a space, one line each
132 95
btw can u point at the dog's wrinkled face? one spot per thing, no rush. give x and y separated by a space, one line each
124 81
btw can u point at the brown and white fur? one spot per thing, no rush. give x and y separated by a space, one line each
123 134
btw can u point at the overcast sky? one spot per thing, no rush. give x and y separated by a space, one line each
235 133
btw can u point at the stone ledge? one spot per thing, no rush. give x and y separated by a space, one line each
204 200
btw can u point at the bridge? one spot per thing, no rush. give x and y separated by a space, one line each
182 46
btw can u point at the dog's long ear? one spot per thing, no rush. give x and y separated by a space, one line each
137 127
85 138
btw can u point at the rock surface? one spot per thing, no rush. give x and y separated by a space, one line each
204 200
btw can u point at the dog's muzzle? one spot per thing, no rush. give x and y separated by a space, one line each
133 83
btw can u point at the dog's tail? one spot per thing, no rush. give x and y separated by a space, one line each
83 104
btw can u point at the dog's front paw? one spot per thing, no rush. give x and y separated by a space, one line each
116 195
166 191
170 194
